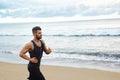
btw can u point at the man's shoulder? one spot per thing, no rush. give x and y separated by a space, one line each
29 44
42 41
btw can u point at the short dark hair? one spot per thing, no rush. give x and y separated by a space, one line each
34 29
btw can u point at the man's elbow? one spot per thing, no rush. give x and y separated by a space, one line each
20 55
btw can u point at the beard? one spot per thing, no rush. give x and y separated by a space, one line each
38 37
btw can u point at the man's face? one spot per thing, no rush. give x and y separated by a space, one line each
38 34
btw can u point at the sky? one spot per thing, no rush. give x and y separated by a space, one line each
57 10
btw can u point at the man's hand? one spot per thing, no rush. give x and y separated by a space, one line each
34 60
49 50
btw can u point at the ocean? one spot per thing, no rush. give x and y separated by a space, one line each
82 44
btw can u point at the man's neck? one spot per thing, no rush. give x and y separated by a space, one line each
36 40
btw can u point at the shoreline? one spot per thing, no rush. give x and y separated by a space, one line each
11 71
91 66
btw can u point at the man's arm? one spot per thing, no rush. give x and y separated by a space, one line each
46 50
25 49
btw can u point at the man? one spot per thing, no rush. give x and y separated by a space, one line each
35 49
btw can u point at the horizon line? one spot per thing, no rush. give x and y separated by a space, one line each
39 20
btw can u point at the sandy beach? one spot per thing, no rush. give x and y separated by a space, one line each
10 71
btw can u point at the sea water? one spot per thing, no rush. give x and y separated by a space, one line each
83 44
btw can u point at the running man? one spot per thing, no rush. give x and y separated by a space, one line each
35 48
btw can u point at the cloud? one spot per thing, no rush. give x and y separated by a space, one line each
37 10
99 7
57 8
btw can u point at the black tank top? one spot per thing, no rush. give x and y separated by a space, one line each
37 52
